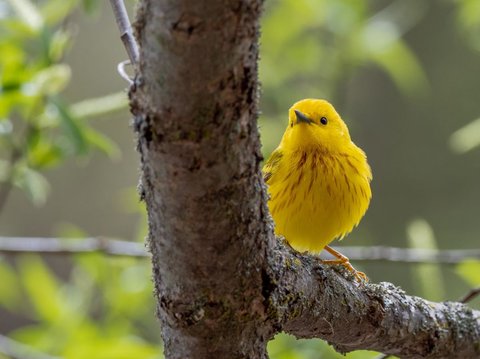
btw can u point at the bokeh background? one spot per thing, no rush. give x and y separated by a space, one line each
404 75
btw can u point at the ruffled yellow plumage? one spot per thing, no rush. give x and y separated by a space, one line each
318 179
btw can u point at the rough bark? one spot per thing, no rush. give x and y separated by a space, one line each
311 301
195 106
224 285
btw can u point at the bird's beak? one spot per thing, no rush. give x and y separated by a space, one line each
302 118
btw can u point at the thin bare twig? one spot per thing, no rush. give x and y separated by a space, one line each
114 247
126 34
409 255
16 350
470 295
123 73
133 249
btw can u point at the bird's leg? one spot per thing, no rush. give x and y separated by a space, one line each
344 261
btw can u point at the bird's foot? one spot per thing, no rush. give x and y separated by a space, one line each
345 262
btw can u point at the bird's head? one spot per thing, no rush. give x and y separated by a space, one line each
315 123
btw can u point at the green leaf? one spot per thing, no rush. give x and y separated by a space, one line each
43 289
429 276
91 6
468 17
32 335
18 28
113 348
32 183
28 12
11 100
49 81
59 42
9 289
469 270
50 118
94 266
285 346
103 143
43 154
466 138
85 109
97 106
73 129
12 58
55 11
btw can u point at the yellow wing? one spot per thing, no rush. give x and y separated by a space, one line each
272 165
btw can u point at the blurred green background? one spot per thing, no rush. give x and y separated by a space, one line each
404 75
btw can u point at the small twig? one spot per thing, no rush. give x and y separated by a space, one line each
126 34
409 255
17 245
117 247
16 350
123 73
470 295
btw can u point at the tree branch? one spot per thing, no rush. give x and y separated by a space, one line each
309 300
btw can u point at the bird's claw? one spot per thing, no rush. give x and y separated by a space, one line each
359 276
345 262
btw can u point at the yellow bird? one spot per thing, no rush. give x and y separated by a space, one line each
318 181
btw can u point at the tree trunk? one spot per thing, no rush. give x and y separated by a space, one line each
195 107
224 284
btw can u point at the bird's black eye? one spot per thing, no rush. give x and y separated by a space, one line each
323 121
